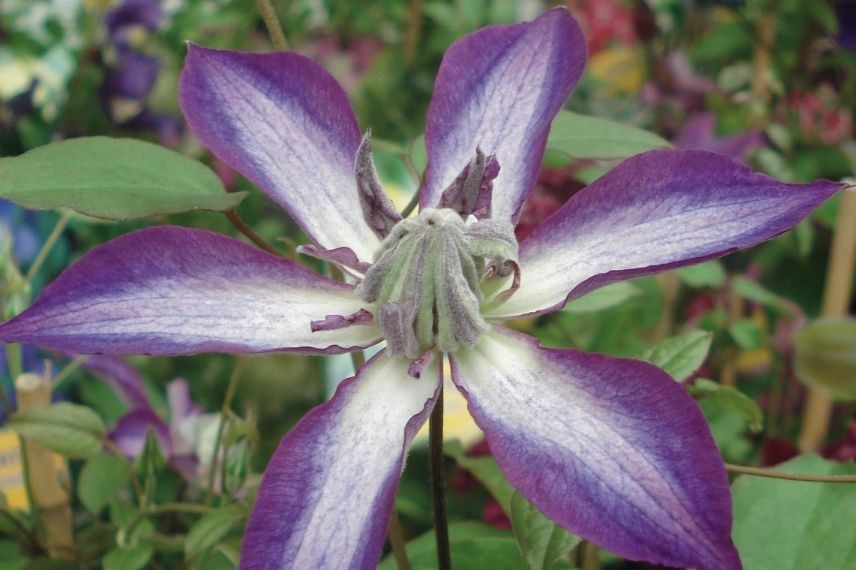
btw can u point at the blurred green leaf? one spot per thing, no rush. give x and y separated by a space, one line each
11 557
68 429
680 355
543 544
111 178
825 355
754 291
707 274
747 334
418 154
790 525
603 298
582 136
473 546
100 479
208 531
486 470
128 558
730 400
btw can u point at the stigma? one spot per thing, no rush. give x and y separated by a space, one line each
429 276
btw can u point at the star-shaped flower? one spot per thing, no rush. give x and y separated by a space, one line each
612 449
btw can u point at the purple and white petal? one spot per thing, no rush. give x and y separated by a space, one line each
654 211
498 90
283 122
171 290
612 449
328 491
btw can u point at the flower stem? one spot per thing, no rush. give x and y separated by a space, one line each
775 474
227 404
242 227
277 37
438 488
48 245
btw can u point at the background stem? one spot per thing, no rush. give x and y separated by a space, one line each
776 474
438 484
836 298
277 37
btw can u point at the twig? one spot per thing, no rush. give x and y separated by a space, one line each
218 442
48 245
274 28
775 474
242 227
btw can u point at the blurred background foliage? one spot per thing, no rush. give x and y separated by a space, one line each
769 82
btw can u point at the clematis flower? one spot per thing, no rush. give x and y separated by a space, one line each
612 449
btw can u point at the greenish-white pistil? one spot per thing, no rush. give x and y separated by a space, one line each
426 280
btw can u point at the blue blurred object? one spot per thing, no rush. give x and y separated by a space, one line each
20 225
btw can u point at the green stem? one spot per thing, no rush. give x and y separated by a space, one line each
775 474
227 404
408 209
274 28
69 369
48 245
242 227
438 483
397 542
129 467
25 532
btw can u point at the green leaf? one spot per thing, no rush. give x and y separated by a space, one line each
128 558
582 136
680 355
707 274
730 400
789 525
419 154
486 470
747 334
754 291
100 479
603 298
543 544
208 531
825 355
109 178
472 545
67 429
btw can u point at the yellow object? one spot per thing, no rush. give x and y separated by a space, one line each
12 471
620 68
457 421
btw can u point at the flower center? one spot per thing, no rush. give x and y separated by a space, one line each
426 280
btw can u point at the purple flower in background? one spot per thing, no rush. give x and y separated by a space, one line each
612 449
699 133
131 78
